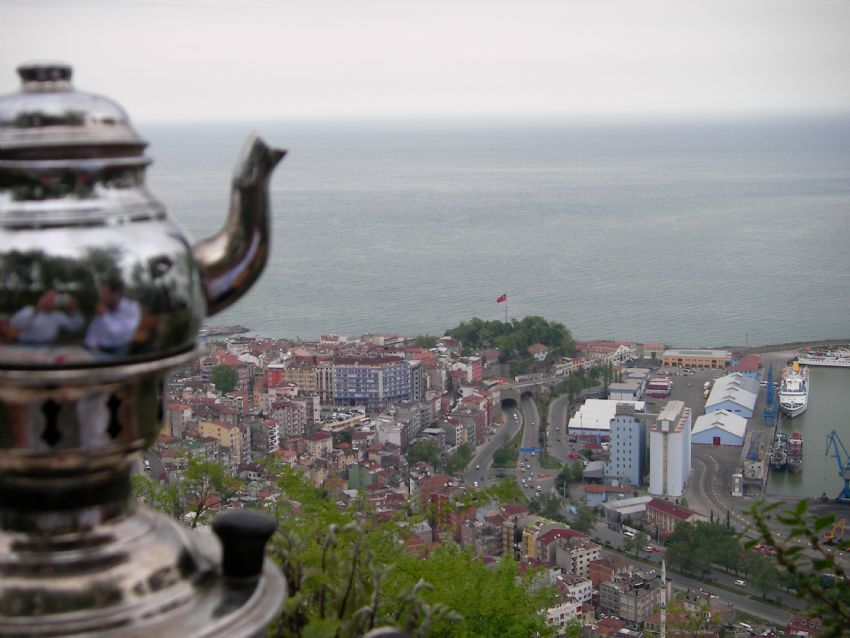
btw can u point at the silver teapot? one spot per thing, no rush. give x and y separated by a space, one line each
100 296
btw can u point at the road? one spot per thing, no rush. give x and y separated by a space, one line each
480 467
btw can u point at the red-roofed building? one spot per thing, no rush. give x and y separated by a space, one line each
664 515
799 625
430 485
609 627
749 365
606 567
539 351
547 542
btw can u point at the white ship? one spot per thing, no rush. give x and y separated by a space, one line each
794 390
831 358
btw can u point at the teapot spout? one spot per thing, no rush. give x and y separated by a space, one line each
231 260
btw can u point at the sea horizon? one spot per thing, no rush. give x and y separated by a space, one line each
692 232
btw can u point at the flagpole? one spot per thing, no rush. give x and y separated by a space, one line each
506 306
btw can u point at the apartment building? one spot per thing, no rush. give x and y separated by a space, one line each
373 382
627 458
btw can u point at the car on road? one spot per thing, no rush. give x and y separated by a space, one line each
740 583
477 466
559 439
574 455
475 484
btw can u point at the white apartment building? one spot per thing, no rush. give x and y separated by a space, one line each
670 450
627 458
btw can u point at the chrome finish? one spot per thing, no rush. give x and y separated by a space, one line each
232 259
92 272
100 296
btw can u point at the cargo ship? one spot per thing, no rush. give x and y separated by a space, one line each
795 453
779 453
794 390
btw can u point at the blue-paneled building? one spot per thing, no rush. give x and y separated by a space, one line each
373 382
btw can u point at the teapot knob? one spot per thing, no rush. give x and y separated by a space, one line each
45 72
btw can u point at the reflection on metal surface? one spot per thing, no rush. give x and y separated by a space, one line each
77 222
100 295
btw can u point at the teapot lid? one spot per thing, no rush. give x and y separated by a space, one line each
49 119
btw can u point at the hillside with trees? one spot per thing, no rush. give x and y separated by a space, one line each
514 337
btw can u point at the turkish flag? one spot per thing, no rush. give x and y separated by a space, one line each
502 298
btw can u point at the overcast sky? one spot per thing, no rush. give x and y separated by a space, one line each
232 60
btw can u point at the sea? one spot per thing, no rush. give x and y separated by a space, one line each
827 411
692 233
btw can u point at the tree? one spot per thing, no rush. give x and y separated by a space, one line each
504 457
425 450
571 474
630 544
458 459
224 377
764 575
585 519
831 604
204 487
641 541
347 572
426 341
550 506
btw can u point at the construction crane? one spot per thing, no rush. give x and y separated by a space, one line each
839 452
836 533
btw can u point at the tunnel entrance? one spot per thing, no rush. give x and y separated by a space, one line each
508 404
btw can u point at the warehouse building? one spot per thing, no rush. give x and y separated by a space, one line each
714 359
734 393
719 428
594 417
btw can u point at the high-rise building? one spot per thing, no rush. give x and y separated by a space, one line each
627 458
373 382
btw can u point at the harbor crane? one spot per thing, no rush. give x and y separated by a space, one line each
839 452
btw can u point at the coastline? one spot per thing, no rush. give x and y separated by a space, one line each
782 347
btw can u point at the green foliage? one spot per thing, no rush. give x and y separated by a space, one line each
829 598
551 506
548 462
347 571
494 601
426 451
506 491
694 547
425 341
584 520
505 457
570 475
206 485
458 460
763 575
514 337
224 377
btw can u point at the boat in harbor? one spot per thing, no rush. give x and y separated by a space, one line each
778 460
779 453
831 358
794 390
795 453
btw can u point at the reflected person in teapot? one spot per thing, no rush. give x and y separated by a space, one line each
41 324
116 320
